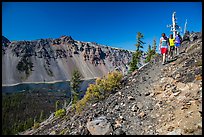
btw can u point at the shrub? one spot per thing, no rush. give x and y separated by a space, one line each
36 125
198 77
100 89
63 132
60 113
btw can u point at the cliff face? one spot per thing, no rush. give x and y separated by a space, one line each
49 60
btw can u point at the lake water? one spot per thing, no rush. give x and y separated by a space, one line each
51 87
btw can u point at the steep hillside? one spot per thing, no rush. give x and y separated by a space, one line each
49 60
157 99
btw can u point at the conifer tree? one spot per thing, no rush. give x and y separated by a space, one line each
154 47
138 53
74 83
151 52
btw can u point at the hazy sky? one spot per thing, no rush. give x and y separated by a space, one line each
109 23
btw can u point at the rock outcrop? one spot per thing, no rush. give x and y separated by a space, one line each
156 99
5 43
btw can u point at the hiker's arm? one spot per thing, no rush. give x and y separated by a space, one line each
160 44
168 42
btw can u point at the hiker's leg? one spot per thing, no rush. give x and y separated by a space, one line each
164 57
171 52
168 53
175 50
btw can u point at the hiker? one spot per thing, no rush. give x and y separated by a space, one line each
177 43
171 46
163 45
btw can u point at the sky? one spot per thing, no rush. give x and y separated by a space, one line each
113 24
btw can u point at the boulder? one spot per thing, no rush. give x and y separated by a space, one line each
193 87
119 131
134 108
141 114
134 72
52 133
99 126
182 86
140 105
166 80
131 98
175 132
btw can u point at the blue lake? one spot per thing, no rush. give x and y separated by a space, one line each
50 87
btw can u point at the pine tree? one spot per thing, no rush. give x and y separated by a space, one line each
139 41
154 47
74 83
138 53
151 52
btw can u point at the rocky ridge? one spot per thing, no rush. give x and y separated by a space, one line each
47 60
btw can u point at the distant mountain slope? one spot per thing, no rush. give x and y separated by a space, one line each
49 60
5 40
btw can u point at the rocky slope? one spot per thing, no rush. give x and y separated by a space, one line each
49 60
5 41
157 99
